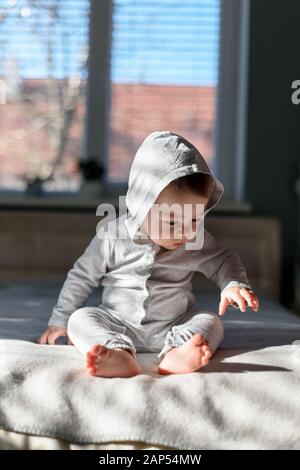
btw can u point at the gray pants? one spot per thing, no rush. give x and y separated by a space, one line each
94 325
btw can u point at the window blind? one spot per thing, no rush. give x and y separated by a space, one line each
164 74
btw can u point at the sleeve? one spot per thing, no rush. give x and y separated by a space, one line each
221 265
236 284
83 277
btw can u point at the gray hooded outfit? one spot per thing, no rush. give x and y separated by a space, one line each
147 301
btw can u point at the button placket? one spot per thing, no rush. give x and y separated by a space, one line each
150 258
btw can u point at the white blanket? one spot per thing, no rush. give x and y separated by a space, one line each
247 398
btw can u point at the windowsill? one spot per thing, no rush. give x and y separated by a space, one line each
54 201
77 201
62 200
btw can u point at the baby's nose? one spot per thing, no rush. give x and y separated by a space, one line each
188 235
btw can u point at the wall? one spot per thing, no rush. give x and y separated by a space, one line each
273 145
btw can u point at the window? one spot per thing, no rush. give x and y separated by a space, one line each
43 56
164 75
91 79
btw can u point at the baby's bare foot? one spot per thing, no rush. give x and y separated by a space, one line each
106 362
189 357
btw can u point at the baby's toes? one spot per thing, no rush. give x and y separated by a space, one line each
91 370
90 363
196 339
199 354
206 351
96 349
204 360
208 354
89 359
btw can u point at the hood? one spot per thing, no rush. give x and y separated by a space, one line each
162 157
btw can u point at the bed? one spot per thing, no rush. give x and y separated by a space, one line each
246 398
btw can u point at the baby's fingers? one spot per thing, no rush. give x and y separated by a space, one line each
223 306
256 303
240 301
43 338
53 337
246 294
251 298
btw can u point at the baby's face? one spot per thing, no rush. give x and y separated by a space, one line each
174 218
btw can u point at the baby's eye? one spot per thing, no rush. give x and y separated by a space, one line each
173 223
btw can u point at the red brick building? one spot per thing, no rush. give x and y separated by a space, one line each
31 119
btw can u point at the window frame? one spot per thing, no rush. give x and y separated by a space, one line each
232 102
231 111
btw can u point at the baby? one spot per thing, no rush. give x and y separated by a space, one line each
147 268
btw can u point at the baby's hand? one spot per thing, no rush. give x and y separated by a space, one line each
240 296
51 335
